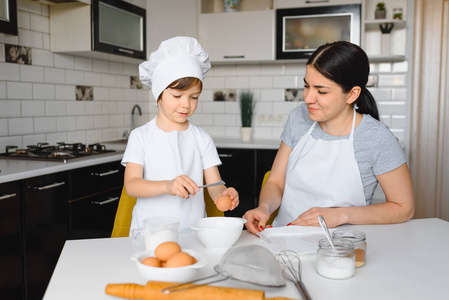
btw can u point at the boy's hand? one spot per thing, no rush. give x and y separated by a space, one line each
231 192
182 186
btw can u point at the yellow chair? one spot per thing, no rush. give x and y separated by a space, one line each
275 213
123 216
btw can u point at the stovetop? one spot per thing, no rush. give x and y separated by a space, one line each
59 152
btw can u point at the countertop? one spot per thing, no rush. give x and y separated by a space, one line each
404 261
11 169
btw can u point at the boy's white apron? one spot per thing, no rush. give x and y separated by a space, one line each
179 157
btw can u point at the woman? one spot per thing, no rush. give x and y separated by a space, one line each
334 151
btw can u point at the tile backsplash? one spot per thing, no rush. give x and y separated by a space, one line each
38 101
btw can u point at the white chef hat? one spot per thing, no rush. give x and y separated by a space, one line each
175 58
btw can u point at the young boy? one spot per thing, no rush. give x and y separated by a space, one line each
167 158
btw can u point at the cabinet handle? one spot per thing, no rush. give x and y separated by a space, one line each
234 56
109 200
224 155
316 1
46 187
7 196
110 172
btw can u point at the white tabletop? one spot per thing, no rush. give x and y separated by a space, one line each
404 261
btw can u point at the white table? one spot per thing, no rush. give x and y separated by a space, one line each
404 261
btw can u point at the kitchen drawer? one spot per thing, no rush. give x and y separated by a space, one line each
96 179
93 217
11 261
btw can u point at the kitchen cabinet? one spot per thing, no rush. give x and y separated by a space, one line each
239 36
11 259
45 228
244 170
38 215
94 196
94 30
248 35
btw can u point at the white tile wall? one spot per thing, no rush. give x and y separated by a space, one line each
37 102
269 81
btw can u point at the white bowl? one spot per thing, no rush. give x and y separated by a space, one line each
180 274
218 233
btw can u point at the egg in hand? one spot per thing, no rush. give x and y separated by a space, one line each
223 202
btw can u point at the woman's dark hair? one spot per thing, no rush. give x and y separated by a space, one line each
184 84
347 65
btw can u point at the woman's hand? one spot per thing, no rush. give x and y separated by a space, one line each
256 219
331 215
182 186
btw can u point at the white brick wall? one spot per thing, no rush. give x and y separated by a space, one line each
269 81
37 102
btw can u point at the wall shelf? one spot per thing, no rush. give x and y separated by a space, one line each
371 24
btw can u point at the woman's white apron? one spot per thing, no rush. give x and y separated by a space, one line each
320 174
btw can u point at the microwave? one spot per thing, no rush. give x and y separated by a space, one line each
300 31
118 27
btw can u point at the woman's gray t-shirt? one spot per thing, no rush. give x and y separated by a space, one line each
377 149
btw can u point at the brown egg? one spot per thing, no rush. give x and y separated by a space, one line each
166 250
180 259
151 261
223 202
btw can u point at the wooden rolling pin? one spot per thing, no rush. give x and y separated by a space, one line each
152 291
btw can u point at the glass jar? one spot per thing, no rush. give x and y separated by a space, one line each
335 263
359 240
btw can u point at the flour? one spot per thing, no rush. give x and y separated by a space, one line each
154 238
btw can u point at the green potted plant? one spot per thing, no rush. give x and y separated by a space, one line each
381 12
231 5
247 105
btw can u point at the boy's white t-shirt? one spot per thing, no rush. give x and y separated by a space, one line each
165 156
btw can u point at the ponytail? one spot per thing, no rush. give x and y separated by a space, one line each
366 104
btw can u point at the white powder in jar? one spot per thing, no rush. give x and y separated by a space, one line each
154 239
334 267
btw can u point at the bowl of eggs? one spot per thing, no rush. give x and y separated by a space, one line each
218 233
169 262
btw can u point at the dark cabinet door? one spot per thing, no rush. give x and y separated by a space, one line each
94 197
238 171
96 179
11 261
45 228
93 217
244 170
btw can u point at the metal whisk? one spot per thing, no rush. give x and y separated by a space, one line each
291 269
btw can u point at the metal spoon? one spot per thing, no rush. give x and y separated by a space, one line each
326 231
212 184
